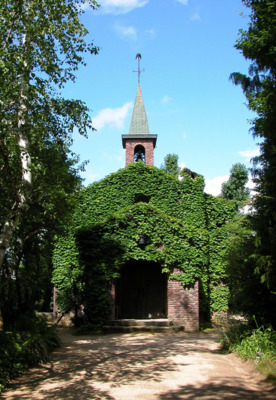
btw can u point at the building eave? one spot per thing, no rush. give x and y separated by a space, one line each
141 137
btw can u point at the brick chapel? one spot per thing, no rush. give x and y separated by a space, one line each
158 231
143 292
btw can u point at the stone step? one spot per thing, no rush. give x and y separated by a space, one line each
140 322
145 328
141 325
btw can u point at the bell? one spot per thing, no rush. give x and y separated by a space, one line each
141 241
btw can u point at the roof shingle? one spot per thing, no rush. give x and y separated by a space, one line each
139 122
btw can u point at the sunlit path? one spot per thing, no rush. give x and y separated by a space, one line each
140 366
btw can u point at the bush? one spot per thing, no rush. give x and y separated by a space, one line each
233 333
23 348
258 344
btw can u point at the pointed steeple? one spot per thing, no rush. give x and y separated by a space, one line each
139 122
139 143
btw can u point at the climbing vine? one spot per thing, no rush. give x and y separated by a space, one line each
183 228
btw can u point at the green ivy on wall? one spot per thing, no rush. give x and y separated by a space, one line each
183 228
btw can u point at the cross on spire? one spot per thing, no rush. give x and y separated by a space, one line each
138 56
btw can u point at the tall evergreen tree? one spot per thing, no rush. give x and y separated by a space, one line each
234 188
258 44
171 165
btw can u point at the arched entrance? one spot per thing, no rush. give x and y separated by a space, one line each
141 291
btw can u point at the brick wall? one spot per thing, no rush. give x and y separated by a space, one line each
146 143
183 305
112 302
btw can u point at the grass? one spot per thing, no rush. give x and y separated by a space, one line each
256 344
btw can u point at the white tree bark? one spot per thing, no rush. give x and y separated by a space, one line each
25 185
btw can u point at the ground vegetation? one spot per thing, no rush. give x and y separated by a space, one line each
254 343
27 342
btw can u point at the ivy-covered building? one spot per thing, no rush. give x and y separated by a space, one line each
145 245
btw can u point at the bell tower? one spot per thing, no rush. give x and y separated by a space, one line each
139 143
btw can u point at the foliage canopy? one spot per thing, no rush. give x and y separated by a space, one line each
258 44
42 45
171 165
234 188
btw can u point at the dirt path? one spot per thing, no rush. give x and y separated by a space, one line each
140 366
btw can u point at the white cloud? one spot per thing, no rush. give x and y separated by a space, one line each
213 186
195 17
112 116
185 2
249 208
151 32
181 165
165 99
126 32
248 154
120 6
250 184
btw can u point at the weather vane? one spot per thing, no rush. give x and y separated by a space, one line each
138 56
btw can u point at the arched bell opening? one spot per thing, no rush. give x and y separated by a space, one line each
139 153
141 291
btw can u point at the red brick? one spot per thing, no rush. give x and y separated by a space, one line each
148 145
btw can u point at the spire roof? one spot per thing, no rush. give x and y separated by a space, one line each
139 122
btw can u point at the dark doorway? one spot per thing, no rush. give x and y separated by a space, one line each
141 291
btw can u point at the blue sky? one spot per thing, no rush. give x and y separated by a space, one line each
188 53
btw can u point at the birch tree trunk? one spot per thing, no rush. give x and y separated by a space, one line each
25 185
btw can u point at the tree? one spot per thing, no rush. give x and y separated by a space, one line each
234 188
258 45
29 257
247 294
171 165
42 46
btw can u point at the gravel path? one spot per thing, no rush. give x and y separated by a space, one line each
140 366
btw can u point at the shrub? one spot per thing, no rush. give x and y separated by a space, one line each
22 349
233 333
258 344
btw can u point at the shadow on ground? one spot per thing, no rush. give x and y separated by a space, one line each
223 389
93 367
